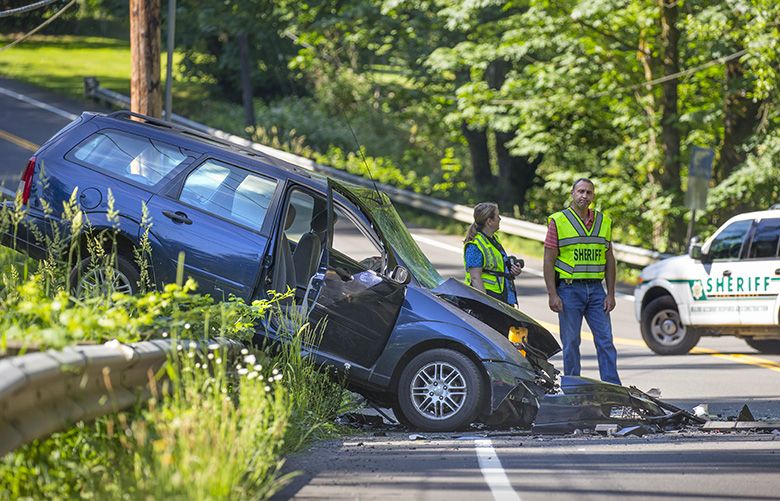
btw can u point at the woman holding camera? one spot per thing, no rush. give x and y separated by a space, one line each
488 267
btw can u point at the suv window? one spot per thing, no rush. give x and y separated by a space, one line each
229 192
765 241
728 243
138 158
353 241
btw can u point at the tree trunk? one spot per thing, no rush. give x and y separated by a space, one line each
670 131
741 118
246 80
145 91
480 157
516 174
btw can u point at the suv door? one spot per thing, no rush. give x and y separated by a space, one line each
758 303
720 277
358 302
216 216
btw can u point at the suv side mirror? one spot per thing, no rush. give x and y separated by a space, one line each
400 275
695 251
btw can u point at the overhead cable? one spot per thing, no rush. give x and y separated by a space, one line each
26 8
39 27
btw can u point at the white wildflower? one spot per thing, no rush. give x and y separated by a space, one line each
218 360
242 372
278 377
252 375
187 325
180 347
250 359
244 351
210 356
267 389
347 366
165 334
258 367
213 346
275 372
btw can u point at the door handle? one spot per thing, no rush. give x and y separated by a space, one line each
177 217
726 273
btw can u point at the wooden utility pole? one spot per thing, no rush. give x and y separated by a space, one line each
145 93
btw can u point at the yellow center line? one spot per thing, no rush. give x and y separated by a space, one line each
18 141
731 357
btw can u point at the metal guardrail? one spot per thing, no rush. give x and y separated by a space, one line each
45 392
625 253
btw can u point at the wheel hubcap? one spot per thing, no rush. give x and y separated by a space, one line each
101 281
666 328
438 390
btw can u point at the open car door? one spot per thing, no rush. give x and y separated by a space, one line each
352 293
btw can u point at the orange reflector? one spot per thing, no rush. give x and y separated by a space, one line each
518 334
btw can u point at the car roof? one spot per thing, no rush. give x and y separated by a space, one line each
195 140
761 214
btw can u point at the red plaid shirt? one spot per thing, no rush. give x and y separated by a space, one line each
551 240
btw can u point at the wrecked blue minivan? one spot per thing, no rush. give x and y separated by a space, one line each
248 223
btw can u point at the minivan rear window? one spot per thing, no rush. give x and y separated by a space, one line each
127 155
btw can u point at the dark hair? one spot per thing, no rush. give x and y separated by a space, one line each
578 181
482 212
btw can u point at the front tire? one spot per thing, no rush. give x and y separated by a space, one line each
768 346
87 280
439 390
662 329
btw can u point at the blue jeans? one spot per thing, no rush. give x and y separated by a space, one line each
586 299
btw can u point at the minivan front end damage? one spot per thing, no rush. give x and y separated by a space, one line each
536 397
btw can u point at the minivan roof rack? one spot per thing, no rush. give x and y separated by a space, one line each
127 115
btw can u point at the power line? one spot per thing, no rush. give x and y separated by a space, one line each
25 8
39 27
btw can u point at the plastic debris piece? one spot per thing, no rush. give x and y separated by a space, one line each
414 436
638 431
701 410
745 414
606 428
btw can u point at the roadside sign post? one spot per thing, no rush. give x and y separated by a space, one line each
699 175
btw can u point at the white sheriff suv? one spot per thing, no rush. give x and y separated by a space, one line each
727 286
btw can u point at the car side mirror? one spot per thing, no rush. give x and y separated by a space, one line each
695 251
400 275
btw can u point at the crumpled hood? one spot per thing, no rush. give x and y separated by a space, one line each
497 314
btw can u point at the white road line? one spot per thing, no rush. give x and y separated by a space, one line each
493 471
39 104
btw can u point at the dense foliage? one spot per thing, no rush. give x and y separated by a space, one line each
510 99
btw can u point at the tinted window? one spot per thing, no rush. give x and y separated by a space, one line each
766 239
728 243
229 192
133 157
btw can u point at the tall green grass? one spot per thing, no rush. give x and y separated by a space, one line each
216 426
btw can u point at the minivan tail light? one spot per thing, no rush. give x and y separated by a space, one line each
27 180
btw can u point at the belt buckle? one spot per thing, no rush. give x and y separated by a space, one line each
568 281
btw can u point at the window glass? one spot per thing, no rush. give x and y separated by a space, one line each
765 241
141 159
351 241
229 192
728 243
299 219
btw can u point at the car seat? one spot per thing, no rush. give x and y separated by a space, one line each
284 268
308 252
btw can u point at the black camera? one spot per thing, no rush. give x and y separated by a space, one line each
513 260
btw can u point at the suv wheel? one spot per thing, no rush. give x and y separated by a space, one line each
87 280
439 390
769 346
662 329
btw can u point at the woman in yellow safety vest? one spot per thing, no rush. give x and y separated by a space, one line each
488 268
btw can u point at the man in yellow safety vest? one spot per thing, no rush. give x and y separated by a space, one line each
577 258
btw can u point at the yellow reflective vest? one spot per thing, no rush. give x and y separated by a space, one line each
582 254
493 263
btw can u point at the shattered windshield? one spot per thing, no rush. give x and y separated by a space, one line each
389 223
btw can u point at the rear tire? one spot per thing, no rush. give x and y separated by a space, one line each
662 329
85 280
439 390
768 346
